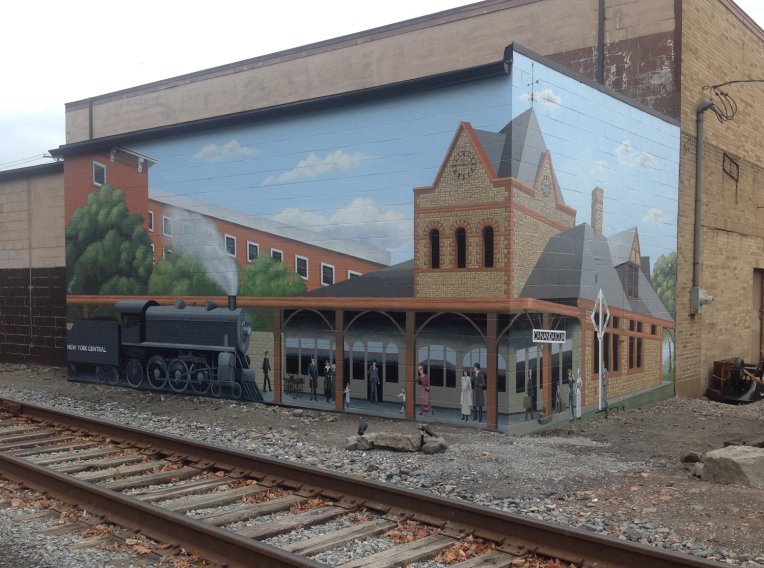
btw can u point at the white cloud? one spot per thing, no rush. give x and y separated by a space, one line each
630 157
229 149
654 215
548 100
313 166
361 220
599 169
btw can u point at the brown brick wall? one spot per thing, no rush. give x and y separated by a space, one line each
33 315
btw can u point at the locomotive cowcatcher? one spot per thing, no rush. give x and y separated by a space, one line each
180 348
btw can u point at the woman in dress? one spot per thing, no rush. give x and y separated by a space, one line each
424 380
466 395
478 386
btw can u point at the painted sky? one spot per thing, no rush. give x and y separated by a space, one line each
349 172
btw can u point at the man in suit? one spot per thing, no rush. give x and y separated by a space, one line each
313 378
266 369
373 381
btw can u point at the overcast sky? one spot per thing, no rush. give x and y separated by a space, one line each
59 52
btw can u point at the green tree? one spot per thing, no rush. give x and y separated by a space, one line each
664 282
108 251
266 277
182 275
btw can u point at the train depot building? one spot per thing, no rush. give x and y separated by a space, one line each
482 179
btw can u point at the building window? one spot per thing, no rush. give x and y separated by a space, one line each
253 249
353 274
230 245
151 221
327 274
152 251
434 249
167 253
461 248
488 247
99 174
301 266
166 226
277 255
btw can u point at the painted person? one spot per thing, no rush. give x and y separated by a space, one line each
374 382
466 398
478 395
328 381
571 395
266 369
313 378
425 406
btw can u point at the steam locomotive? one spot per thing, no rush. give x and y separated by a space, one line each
180 348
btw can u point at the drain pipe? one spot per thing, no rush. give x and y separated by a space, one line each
698 296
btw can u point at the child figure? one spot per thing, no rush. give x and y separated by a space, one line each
347 395
402 396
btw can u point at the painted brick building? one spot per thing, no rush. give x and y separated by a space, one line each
661 53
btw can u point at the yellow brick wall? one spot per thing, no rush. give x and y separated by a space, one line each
31 222
469 203
717 47
530 238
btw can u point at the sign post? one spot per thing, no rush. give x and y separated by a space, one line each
600 326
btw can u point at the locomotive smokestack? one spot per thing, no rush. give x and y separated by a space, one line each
231 302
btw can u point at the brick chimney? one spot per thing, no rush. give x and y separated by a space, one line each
597 210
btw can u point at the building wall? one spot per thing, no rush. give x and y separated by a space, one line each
290 249
470 203
32 266
639 52
718 47
119 175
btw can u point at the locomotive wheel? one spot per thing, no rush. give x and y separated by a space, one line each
156 369
199 377
112 375
217 389
103 374
236 391
134 373
177 373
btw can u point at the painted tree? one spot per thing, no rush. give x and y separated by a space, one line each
664 282
182 275
266 277
108 251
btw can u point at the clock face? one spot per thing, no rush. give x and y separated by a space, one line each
463 165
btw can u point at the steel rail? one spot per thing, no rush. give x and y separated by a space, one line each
203 539
519 533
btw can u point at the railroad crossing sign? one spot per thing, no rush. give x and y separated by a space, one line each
600 326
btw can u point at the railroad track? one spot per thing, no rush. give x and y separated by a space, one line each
221 504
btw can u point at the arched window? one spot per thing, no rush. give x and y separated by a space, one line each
461 248
488 247
434 249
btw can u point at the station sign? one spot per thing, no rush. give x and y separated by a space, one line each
548 336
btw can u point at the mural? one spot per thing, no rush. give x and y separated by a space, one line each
531 186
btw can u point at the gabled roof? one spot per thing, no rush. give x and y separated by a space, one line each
517 150
621 245
395 281
577 264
